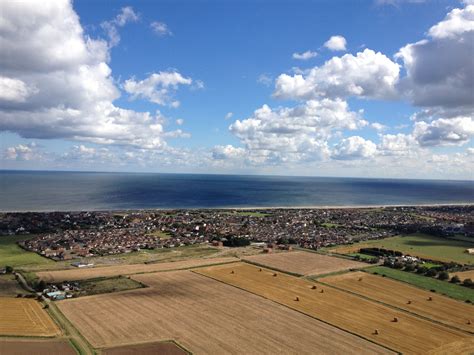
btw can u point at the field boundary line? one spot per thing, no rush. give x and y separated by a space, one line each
272 268
395 307
70 330
148 342
301 312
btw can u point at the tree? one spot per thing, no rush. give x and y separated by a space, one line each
455 279
8 269
443 275
421 270
41 285
398 265
409 267
431 272
468 283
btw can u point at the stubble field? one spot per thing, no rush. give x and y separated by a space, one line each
109 271
206 317
368 319
304 263
465 275
25 317
412 299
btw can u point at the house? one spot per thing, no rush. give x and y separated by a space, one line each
56 295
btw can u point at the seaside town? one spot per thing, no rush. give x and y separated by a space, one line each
73 235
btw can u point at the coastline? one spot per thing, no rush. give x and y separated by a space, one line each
251 208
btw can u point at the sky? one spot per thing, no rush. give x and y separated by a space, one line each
375 88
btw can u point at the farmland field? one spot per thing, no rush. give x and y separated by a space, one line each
304 263
442 309
206 317
106 285
465 275
421 245
162 348
110 271
9 286
428 283
368 319
19 346
12 255
25 317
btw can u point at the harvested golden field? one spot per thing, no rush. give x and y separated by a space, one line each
25 317
464 275
162 348
368 319
304 263
108 271
412 299
206 317
20 346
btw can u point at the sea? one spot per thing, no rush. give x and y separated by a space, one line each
92 191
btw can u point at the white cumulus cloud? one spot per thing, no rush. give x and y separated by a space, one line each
157 88
336 43
305 55
161 29
368 74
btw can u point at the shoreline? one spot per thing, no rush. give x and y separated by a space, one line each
251 208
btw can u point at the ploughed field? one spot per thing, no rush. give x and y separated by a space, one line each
304 263
206 317
25 317
409 298
109 271
20 346
368 319
161 348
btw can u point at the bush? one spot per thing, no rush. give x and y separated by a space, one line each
443 275
455 279
409 267
421 270
431 272
398 265
468 283
8 269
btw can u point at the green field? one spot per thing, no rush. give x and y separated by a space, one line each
424 246
12 255
363 256
248 213
442 287
106 285
160 234
138 257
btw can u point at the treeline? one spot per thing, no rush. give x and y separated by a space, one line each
380 252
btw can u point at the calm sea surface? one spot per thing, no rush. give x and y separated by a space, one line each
68 191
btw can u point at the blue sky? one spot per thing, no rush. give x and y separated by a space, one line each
372 113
